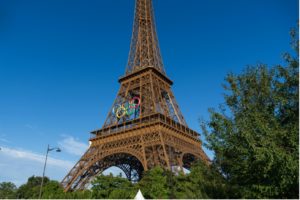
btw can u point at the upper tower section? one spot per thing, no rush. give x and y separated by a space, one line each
144 48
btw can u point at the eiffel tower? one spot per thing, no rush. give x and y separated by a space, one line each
144 127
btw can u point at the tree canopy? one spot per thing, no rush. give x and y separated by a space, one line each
7 190
110 187
255 134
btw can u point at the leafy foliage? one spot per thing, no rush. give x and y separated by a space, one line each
207 182
154 184
31 189
53 190
256 139
7 190
202 182
110 187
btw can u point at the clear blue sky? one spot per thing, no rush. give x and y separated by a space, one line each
60 61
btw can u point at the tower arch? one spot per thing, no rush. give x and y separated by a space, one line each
126 160
188 159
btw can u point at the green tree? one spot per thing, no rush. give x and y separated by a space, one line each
31 189
202 182
154 184
7 190
53 190
110 187
255 135
78 194
208 182
181 187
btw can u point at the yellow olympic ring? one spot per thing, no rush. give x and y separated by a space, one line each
121 112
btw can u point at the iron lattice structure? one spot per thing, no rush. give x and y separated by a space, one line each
144 48
144 127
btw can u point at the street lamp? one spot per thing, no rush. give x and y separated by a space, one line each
48 149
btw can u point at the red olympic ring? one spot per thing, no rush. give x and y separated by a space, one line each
132 102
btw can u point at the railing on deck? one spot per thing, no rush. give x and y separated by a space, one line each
144 122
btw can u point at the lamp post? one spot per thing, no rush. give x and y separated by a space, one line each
48 149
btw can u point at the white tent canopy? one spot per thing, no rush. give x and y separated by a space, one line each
139 196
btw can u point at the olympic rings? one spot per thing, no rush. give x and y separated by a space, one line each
127 108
